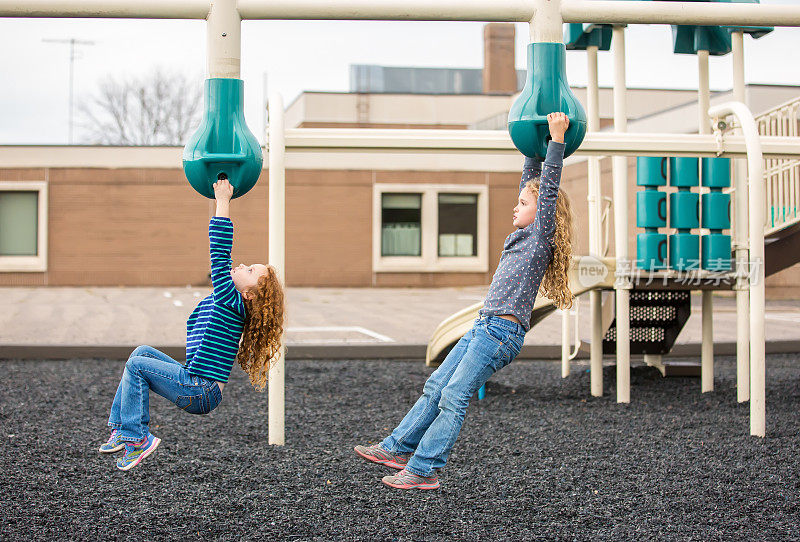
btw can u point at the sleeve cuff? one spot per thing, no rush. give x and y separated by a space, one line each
555 153
530 162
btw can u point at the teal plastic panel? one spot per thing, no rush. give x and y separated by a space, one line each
716 249
684 251
716 172
683 172
684 212
651 171
578 37
651 209
716 208
651 251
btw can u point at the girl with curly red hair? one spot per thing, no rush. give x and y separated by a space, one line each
241 320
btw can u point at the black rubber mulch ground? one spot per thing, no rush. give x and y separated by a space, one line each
537 459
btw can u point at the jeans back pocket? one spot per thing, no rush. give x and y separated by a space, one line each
193 404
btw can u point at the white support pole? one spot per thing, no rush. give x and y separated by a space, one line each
497 142
572 11
594 197
707 345
756 202
622 285
546 24
566 342
668 12
224 40
740 237
277 256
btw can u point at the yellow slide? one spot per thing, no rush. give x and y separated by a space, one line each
587 273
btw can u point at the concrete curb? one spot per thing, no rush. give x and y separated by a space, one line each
409 352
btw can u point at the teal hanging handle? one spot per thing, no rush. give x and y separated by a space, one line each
223 146
546 91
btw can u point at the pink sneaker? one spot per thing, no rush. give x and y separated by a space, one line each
409 480
377 454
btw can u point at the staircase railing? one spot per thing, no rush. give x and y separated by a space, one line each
781 176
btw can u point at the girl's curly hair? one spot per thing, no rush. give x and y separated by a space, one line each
263 328
555 284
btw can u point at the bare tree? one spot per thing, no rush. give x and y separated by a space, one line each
160 108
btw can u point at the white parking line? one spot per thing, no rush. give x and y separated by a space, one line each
357 329
784 316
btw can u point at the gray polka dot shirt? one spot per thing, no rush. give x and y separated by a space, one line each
528 251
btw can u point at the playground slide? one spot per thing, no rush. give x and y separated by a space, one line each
587 273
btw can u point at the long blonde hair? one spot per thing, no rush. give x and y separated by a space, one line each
263 328
555 284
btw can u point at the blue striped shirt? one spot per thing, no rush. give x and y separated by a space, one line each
215 326
528 251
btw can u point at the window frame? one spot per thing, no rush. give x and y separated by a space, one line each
430 261
29 264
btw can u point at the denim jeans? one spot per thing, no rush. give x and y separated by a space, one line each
431 427
148 369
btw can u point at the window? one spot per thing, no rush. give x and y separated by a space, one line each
458 225
430 228
401 221
23 226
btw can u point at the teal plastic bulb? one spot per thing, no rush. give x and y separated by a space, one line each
223 146
546 91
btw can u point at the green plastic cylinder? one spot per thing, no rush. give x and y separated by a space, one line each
683 172
716 252
716 208
684 212
651 171
546 91
223 146
651 209
651 251
684 251
716 172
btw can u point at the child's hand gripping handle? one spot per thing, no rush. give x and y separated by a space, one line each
558 124
223 192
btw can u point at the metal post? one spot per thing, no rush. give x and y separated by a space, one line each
622 285
72 56
224 40
594 198
707 348
566 342
277 255
546 24
740 237
755 203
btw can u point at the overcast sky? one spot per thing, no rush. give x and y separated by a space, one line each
312 55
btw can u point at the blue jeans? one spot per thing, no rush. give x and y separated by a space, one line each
148 369
431 427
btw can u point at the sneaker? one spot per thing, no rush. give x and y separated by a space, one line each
377 454
114 443
136 451
408 480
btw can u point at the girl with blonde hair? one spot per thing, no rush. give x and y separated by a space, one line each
246 304
535 259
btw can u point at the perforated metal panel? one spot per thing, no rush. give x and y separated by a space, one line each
657 317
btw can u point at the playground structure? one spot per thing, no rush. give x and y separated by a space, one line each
546 19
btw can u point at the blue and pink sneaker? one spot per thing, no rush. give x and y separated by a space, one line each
113 444
136 451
